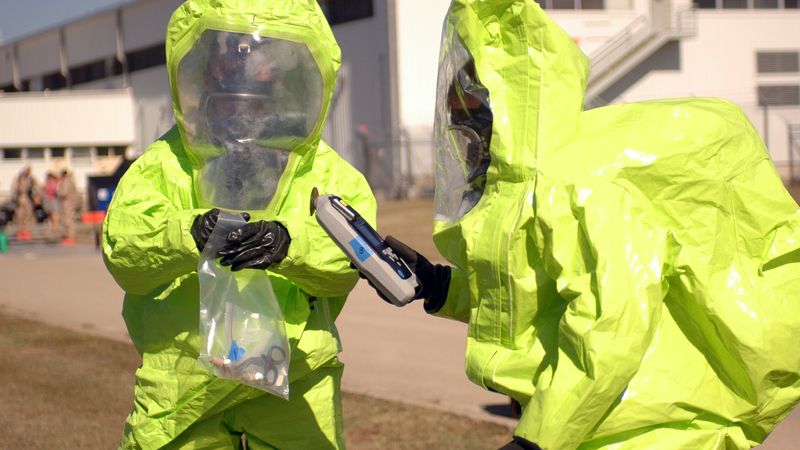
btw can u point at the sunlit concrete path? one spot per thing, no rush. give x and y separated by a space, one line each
391 353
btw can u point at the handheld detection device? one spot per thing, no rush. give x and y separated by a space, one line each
365 248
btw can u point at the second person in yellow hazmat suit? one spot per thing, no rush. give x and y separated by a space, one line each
252 83
630 274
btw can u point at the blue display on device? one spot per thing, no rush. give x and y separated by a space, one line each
361 249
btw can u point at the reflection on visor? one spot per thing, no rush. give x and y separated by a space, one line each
463 132
470 151
247 118
244 179
239 88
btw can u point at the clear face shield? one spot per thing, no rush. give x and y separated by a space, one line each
462 133
247 102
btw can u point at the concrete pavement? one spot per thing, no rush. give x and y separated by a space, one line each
392 353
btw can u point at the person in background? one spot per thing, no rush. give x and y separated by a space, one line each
69 203
252 82
50 203
24 193
3 237
630 274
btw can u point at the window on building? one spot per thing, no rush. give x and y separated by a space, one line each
81 153
35 153
147 58
54 81
58 152
88 72
12 153
110 151
26 86
563 4
339 11
765 4
706 4
742 4
117 68
579 4
734 4
593 4
783 95
772 62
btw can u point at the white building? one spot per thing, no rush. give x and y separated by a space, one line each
97 87
745 51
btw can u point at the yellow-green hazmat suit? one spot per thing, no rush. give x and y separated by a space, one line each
630 274
150 252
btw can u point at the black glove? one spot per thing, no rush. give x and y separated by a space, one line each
203 226
256 245
433 279
519 443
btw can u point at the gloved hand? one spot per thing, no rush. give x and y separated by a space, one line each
204 224
519 443
256 245
433 279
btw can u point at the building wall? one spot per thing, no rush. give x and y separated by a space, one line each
590 29
152 104
88 40
417 42
39 54
91 38
6 65
363 97
721 62
363 94
144 23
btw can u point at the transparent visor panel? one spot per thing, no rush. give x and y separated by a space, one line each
462 133
247 101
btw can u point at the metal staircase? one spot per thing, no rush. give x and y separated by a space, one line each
634 44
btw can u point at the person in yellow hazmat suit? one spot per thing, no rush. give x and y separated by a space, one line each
630 274
252 82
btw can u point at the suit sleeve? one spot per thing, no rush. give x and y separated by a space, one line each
146 234
457 304
314 262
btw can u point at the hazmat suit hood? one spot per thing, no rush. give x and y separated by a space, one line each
251 82
630 274
530 78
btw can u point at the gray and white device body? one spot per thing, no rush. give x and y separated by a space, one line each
366 249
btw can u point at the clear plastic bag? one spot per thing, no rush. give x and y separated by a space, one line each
242 332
